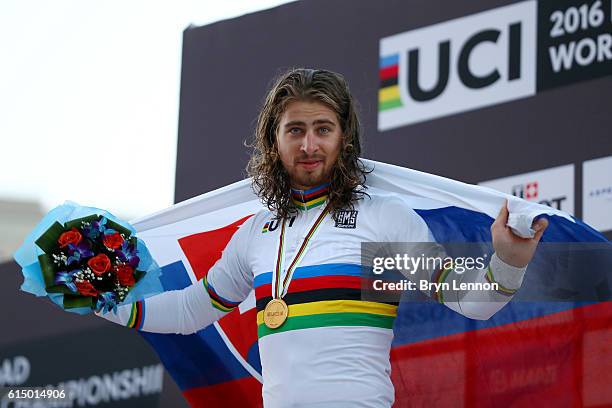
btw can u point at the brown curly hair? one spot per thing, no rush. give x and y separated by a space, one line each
270 179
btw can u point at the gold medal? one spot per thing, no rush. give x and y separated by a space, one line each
275 313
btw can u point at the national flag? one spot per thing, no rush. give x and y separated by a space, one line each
553 352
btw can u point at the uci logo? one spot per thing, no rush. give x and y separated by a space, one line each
273 224
458 65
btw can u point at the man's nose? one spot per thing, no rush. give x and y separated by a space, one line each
310 143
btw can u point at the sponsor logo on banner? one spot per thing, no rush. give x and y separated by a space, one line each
553 187
527 191
597 193
574 41
492 57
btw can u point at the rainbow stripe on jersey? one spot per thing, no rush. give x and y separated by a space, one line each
321 296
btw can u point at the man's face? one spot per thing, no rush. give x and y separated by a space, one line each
309 139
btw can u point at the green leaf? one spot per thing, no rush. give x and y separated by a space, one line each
48 240
59 289
138 275
74 301
47 268
118 228
77 222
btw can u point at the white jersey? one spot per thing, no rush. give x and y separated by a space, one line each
333 349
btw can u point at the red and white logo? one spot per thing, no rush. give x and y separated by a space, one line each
527 191
531 190
553 187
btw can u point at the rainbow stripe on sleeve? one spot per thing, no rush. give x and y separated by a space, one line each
439 277
217 301
500 289
137 315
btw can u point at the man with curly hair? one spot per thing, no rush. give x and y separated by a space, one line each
321 344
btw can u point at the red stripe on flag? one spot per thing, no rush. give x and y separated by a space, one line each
557 360
204 249
241 329
245 392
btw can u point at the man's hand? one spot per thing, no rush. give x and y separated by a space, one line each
510 248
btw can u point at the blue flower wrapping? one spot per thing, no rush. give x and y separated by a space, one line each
28 253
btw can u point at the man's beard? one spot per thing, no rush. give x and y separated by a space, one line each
309 179
301 178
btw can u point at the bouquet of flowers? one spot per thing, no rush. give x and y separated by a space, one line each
86 259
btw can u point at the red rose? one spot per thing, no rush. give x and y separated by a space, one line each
113 241
69 237
85 288
99 264
125 274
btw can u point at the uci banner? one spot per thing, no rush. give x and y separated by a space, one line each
491 57
552 351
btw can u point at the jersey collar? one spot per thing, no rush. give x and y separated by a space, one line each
311 198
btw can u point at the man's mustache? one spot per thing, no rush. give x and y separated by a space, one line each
310 158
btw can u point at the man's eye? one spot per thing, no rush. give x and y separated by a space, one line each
295 130
324 130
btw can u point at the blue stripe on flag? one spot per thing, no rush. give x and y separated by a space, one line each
196 360
253 357
453 224
563 230
423 320
419 321
174 276
467 225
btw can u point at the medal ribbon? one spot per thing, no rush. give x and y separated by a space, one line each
298 255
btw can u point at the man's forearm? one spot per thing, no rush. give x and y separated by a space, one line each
496 285
182 311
